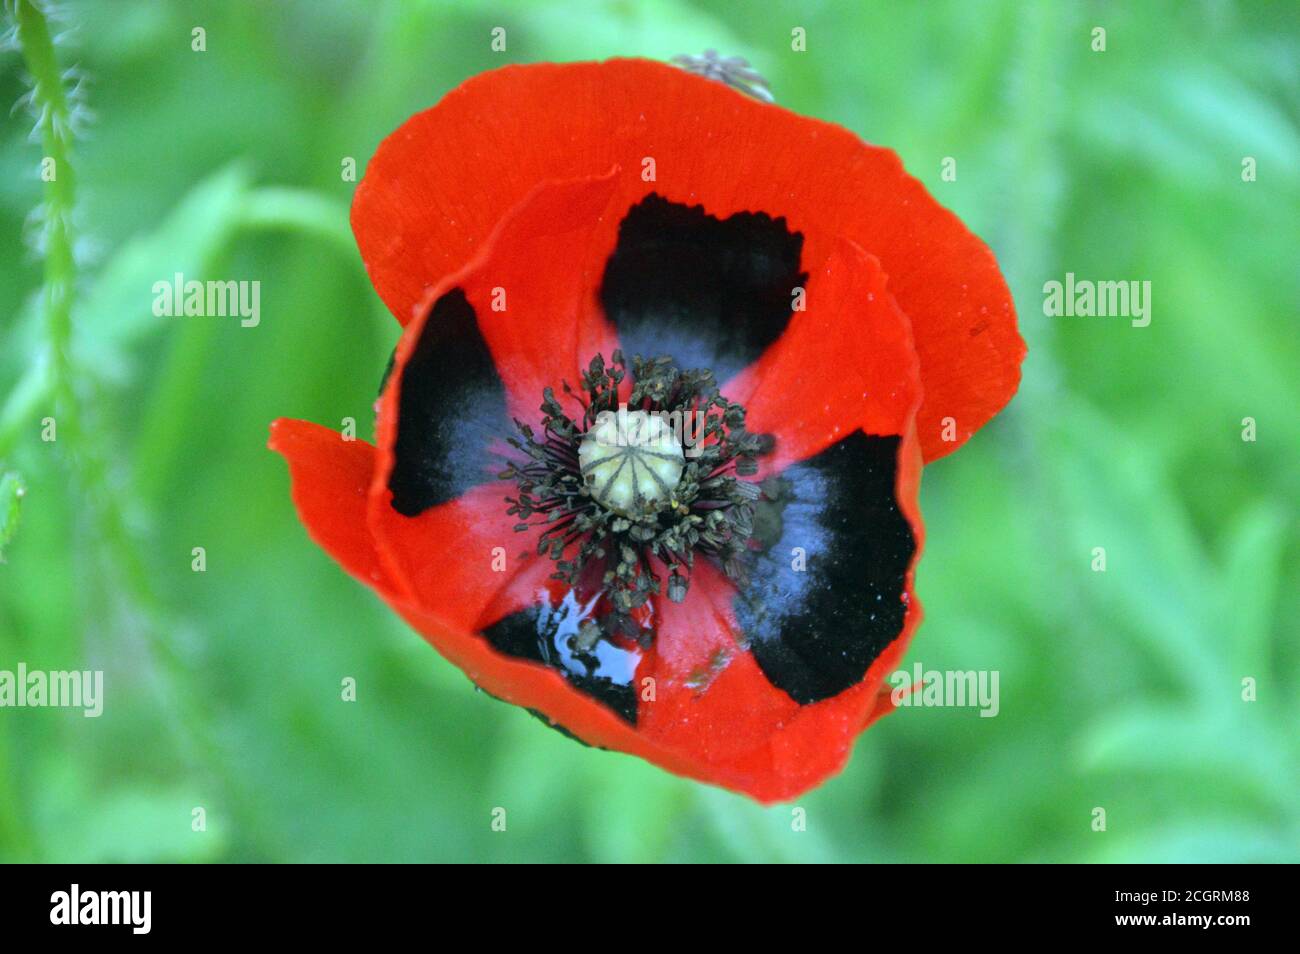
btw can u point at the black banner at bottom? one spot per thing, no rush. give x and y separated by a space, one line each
333 903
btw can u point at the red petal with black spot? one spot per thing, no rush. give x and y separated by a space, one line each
728 604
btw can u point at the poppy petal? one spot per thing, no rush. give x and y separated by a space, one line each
829 590
484 346
455 557
437 187
743 732
537 621
452 405
331 480
845 362
709 292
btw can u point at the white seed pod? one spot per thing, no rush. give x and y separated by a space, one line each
631 460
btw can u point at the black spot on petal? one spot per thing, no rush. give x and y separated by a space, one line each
547 634
709 292
814 632
451 407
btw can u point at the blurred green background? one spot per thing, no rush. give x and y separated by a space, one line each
1120 690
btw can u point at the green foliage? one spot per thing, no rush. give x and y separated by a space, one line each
11 498
1120 689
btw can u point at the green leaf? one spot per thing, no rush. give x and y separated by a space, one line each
631 809
1194 745
1159 582
11 497
298 210
1251 579
19 410
119 307
658 29
1194 843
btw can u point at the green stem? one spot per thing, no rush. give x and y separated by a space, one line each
51 105
183 707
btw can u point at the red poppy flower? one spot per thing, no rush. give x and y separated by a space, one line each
647 457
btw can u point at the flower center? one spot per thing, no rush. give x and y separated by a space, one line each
631 460
627 491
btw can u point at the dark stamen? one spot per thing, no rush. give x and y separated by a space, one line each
710 510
